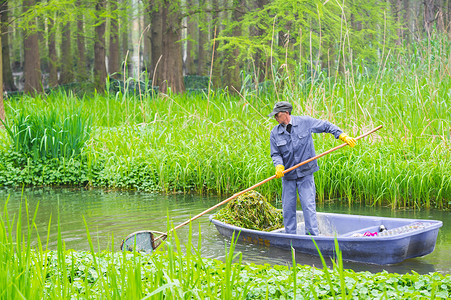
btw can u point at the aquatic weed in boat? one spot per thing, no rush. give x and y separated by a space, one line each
251 210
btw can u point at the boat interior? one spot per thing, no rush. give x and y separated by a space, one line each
341 225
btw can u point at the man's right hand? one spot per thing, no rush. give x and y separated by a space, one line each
279 171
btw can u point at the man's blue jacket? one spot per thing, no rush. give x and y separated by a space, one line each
289 149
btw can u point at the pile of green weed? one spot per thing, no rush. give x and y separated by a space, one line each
251 210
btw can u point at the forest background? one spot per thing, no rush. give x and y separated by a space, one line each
356 63
46 42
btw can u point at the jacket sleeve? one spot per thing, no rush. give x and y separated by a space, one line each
275 153
319 126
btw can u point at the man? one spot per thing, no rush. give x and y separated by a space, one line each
291 143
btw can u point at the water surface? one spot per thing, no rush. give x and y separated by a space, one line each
112 215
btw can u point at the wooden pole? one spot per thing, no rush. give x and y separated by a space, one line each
266 180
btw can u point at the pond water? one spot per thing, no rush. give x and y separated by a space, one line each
113 215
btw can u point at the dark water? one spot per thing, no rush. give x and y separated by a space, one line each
111 216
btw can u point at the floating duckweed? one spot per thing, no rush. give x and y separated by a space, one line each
251 210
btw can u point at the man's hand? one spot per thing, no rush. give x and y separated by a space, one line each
279 171
347 139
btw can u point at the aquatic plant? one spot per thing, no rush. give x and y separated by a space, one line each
251 210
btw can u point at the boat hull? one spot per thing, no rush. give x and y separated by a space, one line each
405 238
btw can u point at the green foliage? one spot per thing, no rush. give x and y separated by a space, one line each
195 82
17 170
333 34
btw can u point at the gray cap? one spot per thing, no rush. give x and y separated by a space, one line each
281 106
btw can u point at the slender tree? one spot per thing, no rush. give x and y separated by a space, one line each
147 38
124 29
399 15
172 61
135 33
53 58
448 17
260 66
231 62
114 48
81 48
216 55
67 74
8 79
2 106
156 39
191 34
441 19
429 15
99 47
32 64
202 44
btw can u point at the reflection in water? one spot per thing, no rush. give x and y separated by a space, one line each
111 216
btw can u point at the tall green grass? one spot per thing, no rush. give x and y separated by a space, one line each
42 132
219 142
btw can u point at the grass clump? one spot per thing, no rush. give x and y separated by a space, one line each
51 133
251 210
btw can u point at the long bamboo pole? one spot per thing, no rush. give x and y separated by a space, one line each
264 181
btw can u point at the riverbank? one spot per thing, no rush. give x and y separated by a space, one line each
187 144
217 141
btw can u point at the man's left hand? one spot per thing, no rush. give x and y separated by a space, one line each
347 139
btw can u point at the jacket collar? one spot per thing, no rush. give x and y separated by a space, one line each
281 128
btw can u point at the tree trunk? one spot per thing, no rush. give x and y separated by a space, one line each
261 60
67 75
40 29
399 15
231 67
216 77
448 16
8 79
406 16
32 64
82 70
2 106
53 58
429 15
172 61
448 19
190 45
124 29
156 40
147 45
113 50
99 48
201 46
441 16
134 39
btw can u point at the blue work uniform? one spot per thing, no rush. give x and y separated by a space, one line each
289 149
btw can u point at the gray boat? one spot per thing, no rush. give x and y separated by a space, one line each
367 239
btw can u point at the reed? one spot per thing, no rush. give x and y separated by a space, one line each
170 144
49 132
